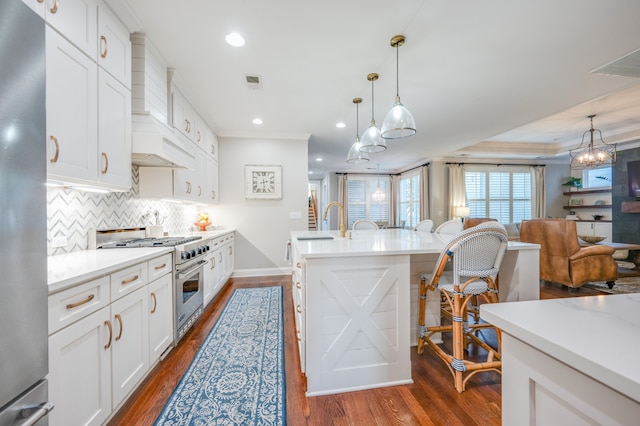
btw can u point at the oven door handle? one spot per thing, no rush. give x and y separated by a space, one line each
198 265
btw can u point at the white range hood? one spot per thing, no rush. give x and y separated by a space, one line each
155 144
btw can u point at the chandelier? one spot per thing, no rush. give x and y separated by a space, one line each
590 156
378 196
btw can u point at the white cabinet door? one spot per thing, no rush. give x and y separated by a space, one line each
211 143
114 133
160 317
183 116
79 372
77 21
130 348
212 181
184 184
210 276
71 112
114 53
35 5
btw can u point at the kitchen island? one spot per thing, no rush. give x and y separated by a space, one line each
356 301
570 361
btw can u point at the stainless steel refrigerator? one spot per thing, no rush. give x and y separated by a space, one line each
23 217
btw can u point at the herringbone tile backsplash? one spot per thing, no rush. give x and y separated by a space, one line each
75 214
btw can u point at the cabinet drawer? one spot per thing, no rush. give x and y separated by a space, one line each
128 280
75 303
160 266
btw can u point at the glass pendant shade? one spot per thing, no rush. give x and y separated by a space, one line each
371 140
357 156
399 122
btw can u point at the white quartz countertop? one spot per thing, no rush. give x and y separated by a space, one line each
67 270
596 335
376 242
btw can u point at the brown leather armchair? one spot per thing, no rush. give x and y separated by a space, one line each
470 222
562 260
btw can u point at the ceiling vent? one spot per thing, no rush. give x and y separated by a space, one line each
627 66
254 82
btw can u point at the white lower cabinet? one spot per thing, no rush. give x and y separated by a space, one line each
80 371
98 357
160 317
219 267
130 343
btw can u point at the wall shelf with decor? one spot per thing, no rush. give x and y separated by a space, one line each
587 191
587 206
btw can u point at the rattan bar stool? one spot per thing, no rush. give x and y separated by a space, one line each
476 255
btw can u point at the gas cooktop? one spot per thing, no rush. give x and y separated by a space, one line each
150 242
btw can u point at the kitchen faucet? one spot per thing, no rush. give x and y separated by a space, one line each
343 228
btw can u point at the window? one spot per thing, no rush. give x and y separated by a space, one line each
361 205
596 178
504 195
409 199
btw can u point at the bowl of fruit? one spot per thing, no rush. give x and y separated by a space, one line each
203 221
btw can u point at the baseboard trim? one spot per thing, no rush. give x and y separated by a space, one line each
261 272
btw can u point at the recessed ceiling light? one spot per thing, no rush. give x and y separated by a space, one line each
341 125
235 39
310 172
257 121
319 159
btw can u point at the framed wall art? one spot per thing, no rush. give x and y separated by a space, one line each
263 182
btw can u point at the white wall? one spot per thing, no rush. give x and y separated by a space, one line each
262 226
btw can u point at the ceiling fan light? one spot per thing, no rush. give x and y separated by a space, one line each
398 123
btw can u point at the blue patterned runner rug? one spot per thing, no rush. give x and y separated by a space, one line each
237 376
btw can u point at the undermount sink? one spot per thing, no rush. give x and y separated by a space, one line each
315 237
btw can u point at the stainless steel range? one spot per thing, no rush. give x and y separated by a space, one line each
188 262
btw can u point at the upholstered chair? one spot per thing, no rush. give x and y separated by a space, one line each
562 259
424 226
364 224
470 222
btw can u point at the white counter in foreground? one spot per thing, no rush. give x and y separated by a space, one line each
356 302
570 361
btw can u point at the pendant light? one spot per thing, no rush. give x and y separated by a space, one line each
355 155
399 122
378 196
371 140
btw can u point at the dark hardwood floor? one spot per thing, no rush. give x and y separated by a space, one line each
430 400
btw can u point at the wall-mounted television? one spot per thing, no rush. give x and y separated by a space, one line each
633 174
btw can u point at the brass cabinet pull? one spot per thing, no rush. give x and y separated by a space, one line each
213 150
188 187
230 250
187 126
80 303
161 266
220 257
108 324
213 194
54 9
199 190
298 308
198 137
103 40
298 335
119 318
298 265
55 156
106 163
298 285
130 280
213 263
155 303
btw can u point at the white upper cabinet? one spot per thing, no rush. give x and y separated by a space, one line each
77 21
114 133
184 118
211 143
114 47
72 102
